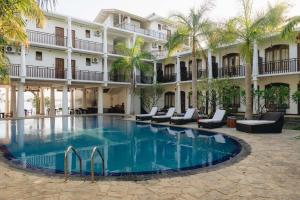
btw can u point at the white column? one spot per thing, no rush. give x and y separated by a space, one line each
105 67
65 109
13 101
23 63
84 98
20 107
70 45
209 67
178 98
72 103
7 100
52 102
255 74
100 100
155 72
178 75
42 102
128 103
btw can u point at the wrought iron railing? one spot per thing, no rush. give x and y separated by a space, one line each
167 78
88 75
88 45
116 77
280 66
144 79
233 71
46 38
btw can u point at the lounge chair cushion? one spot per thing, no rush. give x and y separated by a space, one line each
208 120
188 115
169 114
255 122
219 115
152 113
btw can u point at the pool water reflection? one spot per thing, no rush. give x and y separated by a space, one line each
128 147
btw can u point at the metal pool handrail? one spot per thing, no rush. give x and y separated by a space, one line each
96 149
66 161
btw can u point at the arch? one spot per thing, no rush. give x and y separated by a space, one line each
277 52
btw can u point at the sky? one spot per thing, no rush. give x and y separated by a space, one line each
88 9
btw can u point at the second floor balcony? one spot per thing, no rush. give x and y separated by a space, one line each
88 45
231 72
279 66
144 79
118 77
166 78
46 38
86 75
148 32
187 76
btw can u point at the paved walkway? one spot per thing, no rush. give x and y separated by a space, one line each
271 171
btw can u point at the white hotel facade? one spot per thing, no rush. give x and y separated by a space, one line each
71 58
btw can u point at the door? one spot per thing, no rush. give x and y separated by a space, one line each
59 68
182 98
59 36
73 64
73 39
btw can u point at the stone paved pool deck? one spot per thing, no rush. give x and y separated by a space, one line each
271 171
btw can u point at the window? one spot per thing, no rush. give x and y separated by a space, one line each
88 61
87 33
38 55
169 99
277 53
159 27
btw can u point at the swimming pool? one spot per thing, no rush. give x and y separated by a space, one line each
127 147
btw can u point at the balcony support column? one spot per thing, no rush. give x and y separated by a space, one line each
105 68
178 98
13 101
52 102
100 100
20 107
129 101
178 74
70 45
23 64
209 67
154 72
7 99
254 76
65 107
42 102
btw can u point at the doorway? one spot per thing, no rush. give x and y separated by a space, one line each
73 64
182 99
59 68
59 36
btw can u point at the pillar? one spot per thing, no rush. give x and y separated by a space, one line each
178 75
84 98
72 103
20 107
154 72
100 100
105 67
13 101
65 107
209 67
42 102
7 100
70 45
52 102
178 98
23 63
255 75
128 103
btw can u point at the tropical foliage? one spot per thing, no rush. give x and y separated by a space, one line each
197 28
151 95
13 16
133 59
250 28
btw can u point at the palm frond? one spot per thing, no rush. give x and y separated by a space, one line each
289 30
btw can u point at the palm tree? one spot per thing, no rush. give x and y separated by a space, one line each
250 29
12 23
133 58
289 31
194 27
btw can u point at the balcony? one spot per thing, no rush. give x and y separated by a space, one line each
88 45
166 78
46 38
13 70
114 77
233 71
86 75
144 79
39 72
159 54
113 50
152 33
188 75
279 67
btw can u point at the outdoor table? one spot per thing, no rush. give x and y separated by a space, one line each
231 122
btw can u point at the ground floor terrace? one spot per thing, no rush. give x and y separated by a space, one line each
269 171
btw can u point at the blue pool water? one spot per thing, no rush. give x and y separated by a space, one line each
127 147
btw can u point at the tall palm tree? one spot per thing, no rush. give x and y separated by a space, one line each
248 29
193 27
133 58
12 22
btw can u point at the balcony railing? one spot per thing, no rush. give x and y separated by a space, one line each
280 66
113 50
233 71
167 78
144 79
134 28
88 45
44 72
88 75
13 70
159 54
202 73
46 38
114 77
